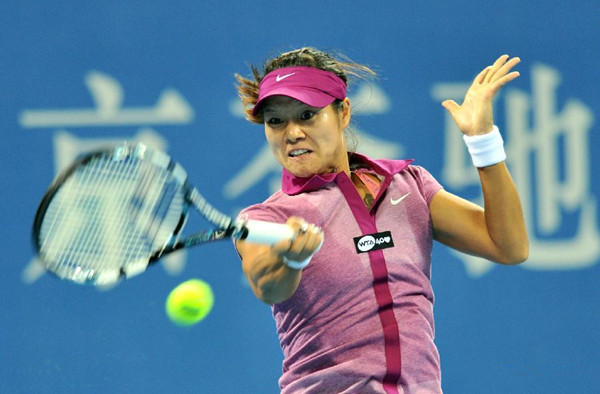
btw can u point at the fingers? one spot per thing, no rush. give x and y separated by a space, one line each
306 242
504 80
480 78
497 75
475 114
500 69
494 68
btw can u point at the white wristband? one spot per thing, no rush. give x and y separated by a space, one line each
297 265
486 149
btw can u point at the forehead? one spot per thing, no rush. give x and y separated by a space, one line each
284 103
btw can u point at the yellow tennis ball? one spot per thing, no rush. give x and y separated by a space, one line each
189 302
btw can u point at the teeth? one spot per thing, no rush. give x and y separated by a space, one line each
298 152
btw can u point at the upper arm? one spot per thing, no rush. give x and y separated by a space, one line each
461 224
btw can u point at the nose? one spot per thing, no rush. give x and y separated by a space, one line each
294 132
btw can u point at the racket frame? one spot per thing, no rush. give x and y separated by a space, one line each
225 227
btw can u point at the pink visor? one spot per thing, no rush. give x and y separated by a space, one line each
312 86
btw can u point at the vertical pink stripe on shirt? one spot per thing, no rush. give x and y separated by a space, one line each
381 287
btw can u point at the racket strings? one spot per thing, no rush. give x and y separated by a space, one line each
72 205
147 224
89 245
156 218
110 215
57 237
118 235
90 202
111 226
105 222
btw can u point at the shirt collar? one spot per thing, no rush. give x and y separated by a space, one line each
292 185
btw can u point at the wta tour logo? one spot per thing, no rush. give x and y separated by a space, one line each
367 243
547 147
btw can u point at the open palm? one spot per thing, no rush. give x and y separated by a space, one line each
475 115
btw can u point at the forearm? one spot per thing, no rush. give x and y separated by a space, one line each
274 271
270 279
497 232
503 214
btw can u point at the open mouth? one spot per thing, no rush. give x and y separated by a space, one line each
299 152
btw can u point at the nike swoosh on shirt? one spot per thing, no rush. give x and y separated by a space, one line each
397 201
280 77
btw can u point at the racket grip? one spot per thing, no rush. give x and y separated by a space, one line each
261 232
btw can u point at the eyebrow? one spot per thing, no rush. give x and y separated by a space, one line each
270 108
295 106
278 107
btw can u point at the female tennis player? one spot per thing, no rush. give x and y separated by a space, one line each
351 293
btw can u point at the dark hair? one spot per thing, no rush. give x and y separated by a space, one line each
307 56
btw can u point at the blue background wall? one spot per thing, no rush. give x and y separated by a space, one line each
163 72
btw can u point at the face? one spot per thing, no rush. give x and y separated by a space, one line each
307 140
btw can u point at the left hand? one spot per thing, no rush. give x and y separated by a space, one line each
475 115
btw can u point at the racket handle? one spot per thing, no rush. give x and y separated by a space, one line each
268 233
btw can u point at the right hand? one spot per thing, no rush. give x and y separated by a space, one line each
306 242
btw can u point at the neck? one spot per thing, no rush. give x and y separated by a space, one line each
344 165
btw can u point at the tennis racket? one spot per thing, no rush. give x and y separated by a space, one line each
113 213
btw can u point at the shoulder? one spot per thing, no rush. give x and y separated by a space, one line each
420 178
269 210
417 172
280 206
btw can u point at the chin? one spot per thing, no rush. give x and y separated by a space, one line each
308 168
302 173
307 172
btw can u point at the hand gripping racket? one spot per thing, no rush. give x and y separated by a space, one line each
114 212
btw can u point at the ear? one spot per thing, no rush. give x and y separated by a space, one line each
346 112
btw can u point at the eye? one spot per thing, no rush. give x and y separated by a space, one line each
273 121
306 115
